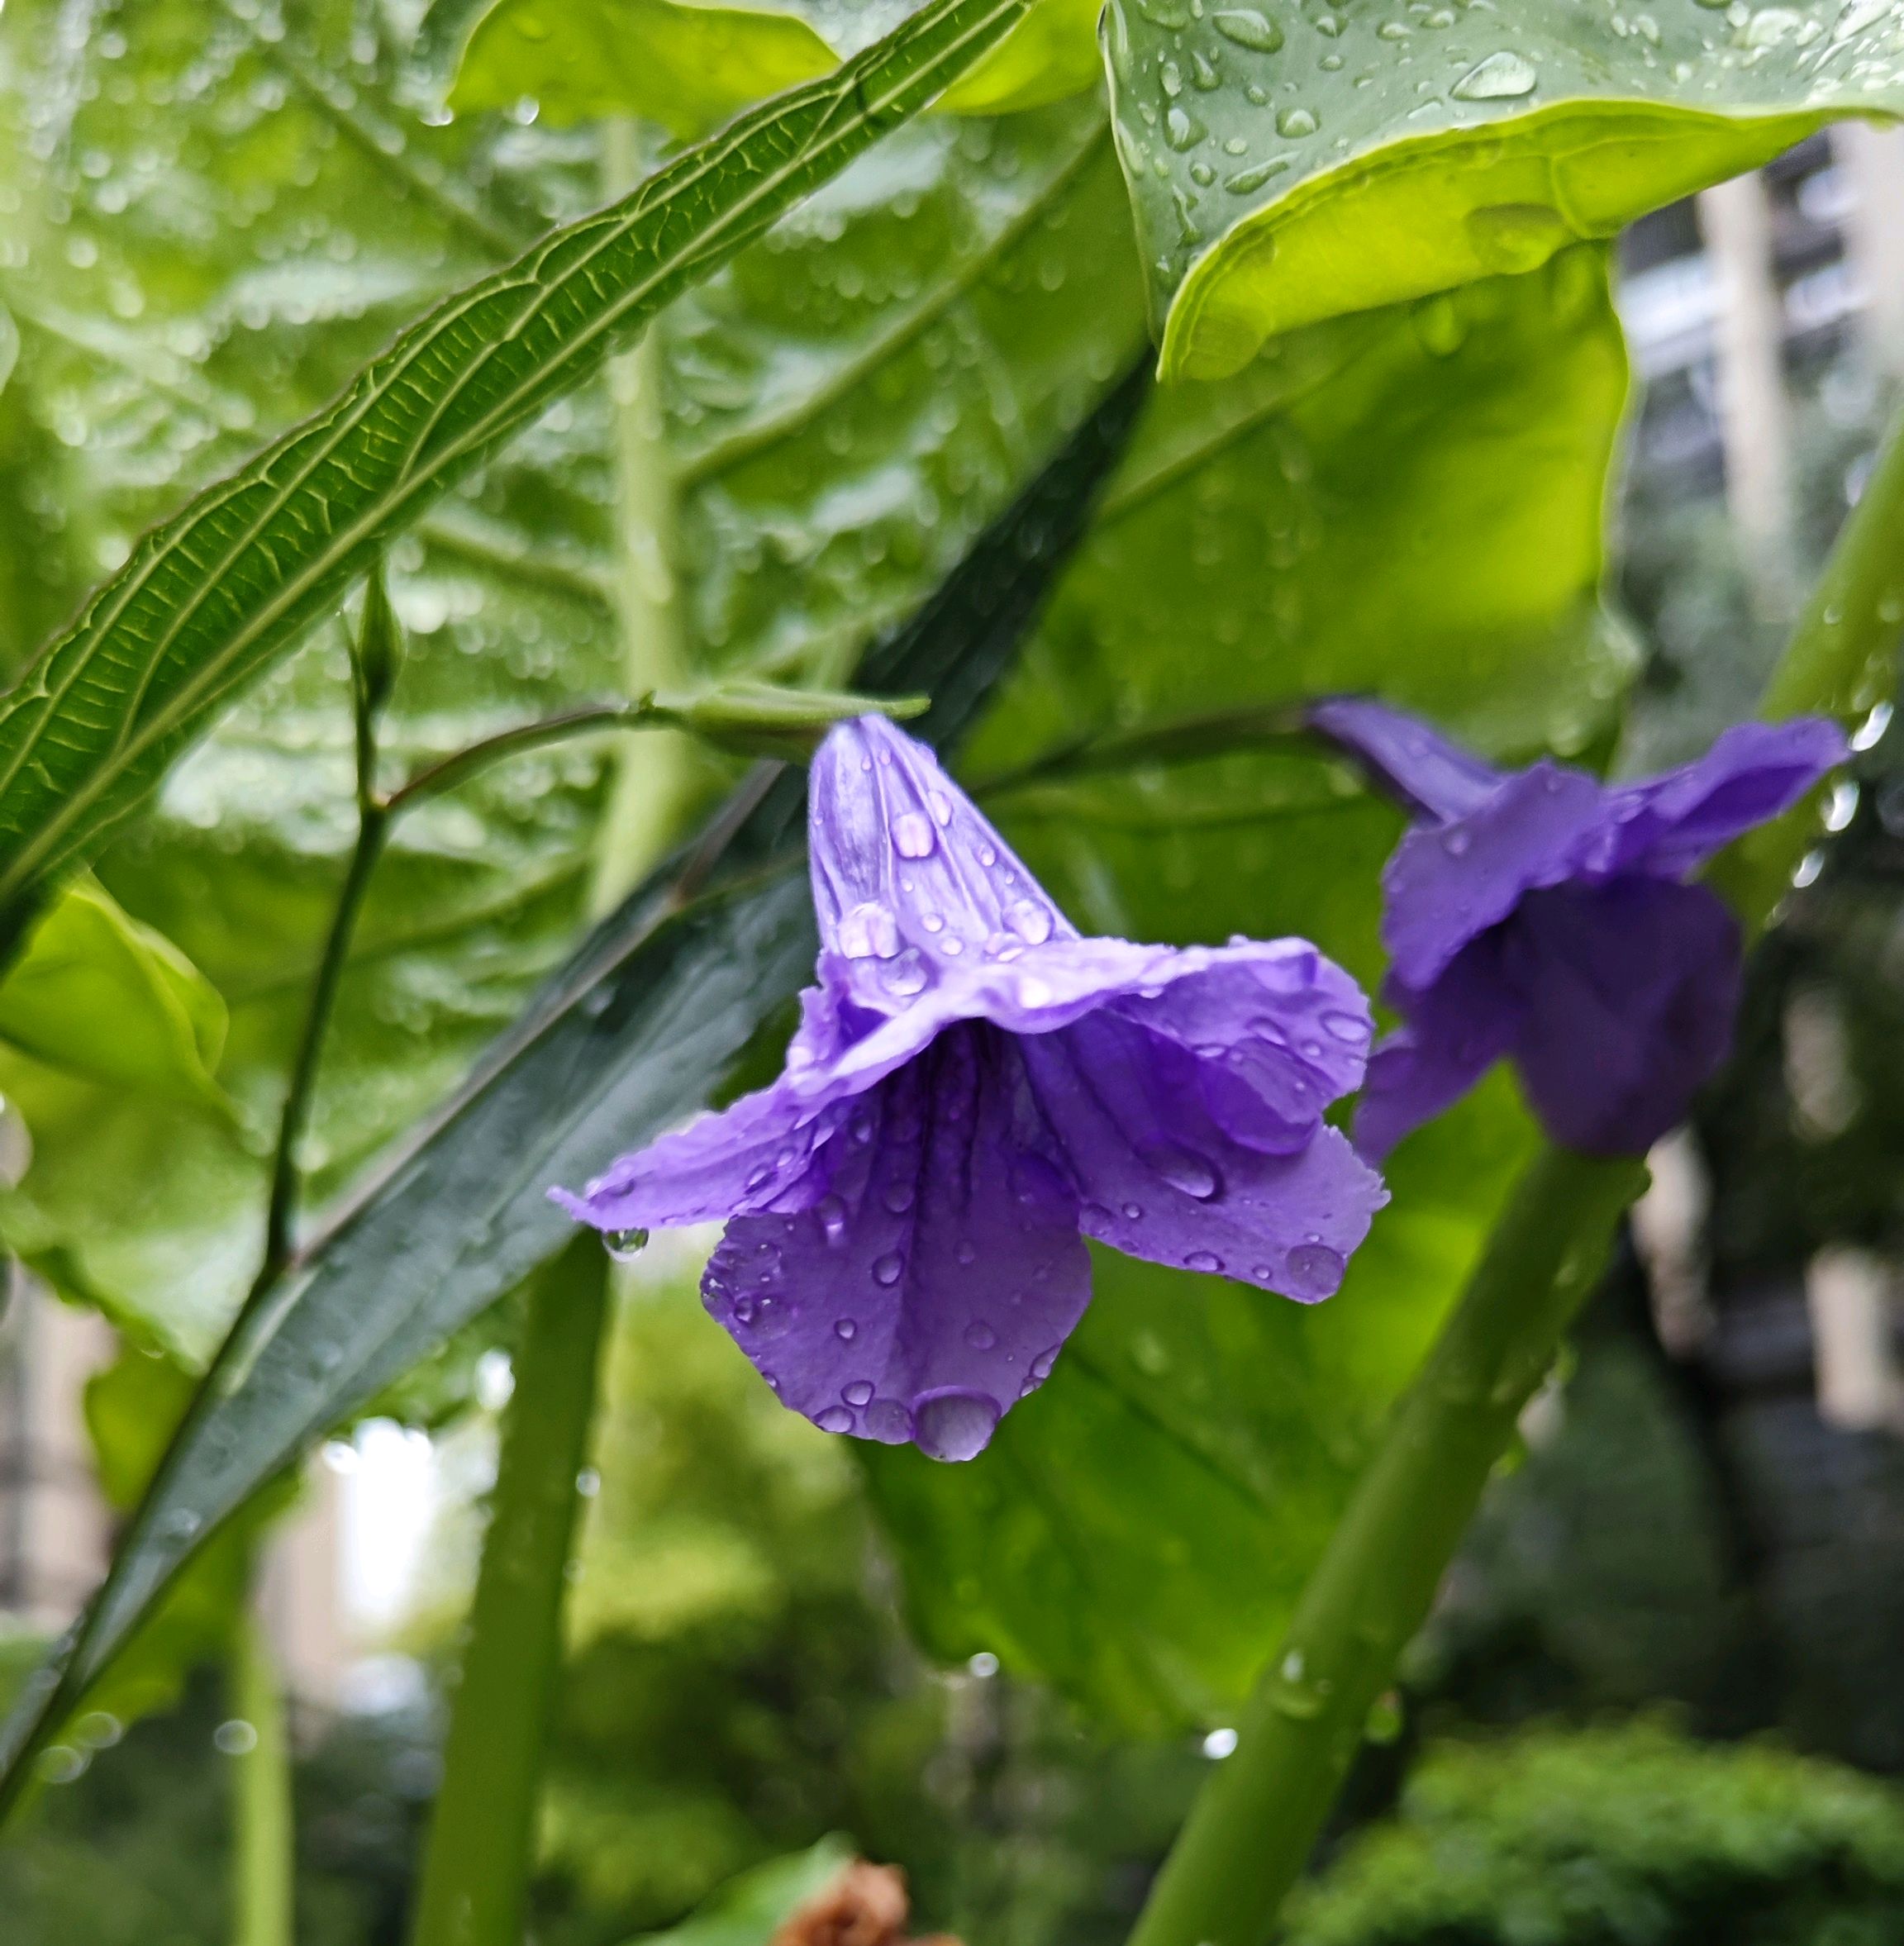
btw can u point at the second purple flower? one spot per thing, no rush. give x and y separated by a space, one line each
975 1088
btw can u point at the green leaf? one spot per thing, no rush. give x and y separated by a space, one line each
99 995
132 1408
1289 164
685 64
635 1034
1410 497
752 1907
677 63
211 598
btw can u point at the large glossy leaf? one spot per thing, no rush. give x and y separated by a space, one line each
685 64
1292 162
205 602
635 1033
1411 497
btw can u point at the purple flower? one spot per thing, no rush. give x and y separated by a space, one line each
1544 916
973 1090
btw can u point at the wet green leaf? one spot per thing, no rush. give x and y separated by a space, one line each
97 994
685 64
1290 161
210 599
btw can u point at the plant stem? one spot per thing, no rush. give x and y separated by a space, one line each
1842 659
645 796
1256 1818
481 1845
263 1876
464 764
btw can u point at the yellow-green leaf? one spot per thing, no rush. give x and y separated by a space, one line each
100 994
1289 164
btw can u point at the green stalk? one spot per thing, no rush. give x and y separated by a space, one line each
1256 1819
646 794
1257 1816
481 1848
263 1876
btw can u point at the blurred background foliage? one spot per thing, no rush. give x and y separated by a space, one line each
212 215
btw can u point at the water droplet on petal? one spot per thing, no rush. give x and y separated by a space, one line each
858 1392
1133 1211
953 1424
941 807
1314 1270
624 1245
1205 1260
912 836
1030 920
1351 1029
835 1419
1455 842
980 1336
846 1328
888 1420
1182 1168
886 1270
965 1253
759 1179
906 975
832 1214
868 932
1033 991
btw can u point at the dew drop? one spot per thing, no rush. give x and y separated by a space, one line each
759 1180
1205 1260
860 1392
1248 28
1351 1029
912 836
899 1197
906 975
1030 920
886 1270
846 1328
832 1214
1314 1270
1033 991
1042 1365
1456 842
624 1245
868 932
888 1420
980 1336
1293 123
834 1418
965 1253
1182 130
954 1425
1182 1168
1504 76
940 805
1133 1211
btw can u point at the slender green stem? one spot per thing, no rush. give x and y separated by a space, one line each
646 795
1842 659
464 763
481 1847
264 1875
1257 1816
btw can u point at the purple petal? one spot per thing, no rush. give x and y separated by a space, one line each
1163 1178
1447 884
756 1155
1279 1032
1669 824
911 885
1632 990
1452 1035
1432 777
933 1283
